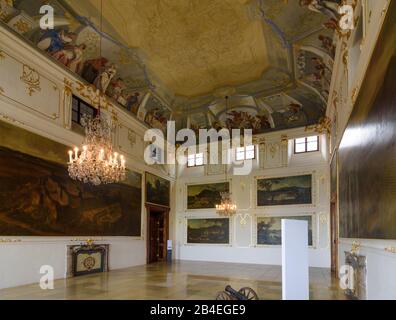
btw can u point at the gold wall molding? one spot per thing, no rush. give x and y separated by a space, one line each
323 126
5 240
1 91
31 78
10 119
390 249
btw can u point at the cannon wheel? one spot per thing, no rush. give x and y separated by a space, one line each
222 295
249 293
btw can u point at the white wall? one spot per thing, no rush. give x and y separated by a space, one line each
275 159
353 58
47 111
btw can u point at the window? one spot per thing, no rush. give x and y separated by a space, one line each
155 153
307 144
195 160
79 108
245 153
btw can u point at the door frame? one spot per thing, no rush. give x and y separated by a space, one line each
165 211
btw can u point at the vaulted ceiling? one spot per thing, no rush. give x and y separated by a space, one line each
269 56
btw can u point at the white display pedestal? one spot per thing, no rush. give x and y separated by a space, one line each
295 267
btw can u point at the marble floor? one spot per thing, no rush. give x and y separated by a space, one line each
180 280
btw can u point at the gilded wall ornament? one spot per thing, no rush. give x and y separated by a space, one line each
31 78
390 249
323 126
131 137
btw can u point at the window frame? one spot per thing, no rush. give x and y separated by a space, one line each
79 113
306 145
244 153
195 160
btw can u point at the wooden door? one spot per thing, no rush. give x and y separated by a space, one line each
334 236
157 234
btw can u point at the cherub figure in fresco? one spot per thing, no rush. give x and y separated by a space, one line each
53 40
327 7
71 57
104 78
328 44
92 68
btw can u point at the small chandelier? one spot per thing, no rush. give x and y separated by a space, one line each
226 206
96 163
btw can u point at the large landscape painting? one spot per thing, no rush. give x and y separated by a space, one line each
269 229
367 154
157 190
284 191
210 231
205 196
38 198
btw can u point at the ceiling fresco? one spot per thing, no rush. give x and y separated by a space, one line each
178 59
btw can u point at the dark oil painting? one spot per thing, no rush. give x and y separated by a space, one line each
269 229
367 153
38 198
284 191
157 190
209 231
205 196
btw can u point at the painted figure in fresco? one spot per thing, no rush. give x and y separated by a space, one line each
115 89
328 45
92 68
133 102
53 40
327 7
104 78
71 57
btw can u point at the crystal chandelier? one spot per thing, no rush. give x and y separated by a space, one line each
96 163
226 206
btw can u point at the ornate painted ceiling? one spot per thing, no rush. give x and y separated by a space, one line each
179 58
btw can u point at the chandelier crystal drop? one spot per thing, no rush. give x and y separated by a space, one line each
96 163
226 207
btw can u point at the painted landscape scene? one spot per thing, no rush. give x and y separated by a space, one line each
269 229
205 196
284 191
210 231
157 190
38 198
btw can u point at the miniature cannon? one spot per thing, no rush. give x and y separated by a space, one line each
231 294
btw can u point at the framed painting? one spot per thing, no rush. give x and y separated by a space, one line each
38 198
294 190
205 196
157 190
208 231
269 230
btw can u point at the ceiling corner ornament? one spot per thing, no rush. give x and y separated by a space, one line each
31 78
323 126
